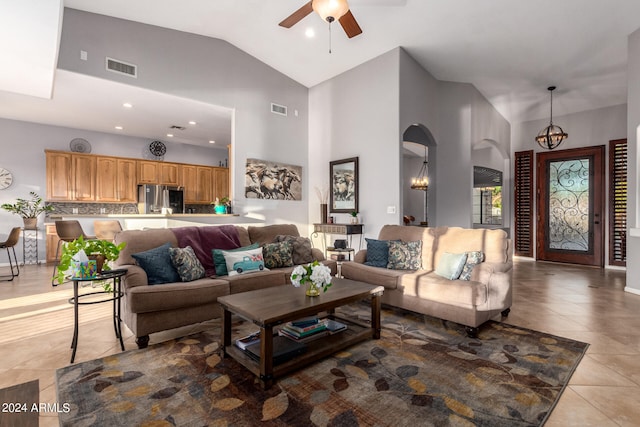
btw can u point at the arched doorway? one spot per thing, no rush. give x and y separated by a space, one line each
418 144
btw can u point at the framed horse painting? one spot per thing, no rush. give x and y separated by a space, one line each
272 180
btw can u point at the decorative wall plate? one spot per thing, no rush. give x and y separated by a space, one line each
80 145
157 148
6 178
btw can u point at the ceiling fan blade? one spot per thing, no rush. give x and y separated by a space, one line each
349 25
297 16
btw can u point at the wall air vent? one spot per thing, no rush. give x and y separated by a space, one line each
120 67
177 127
278 109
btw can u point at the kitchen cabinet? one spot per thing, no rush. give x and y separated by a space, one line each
51 242
58 171
204 184
221 182
83 172
148 172
190 183
170 174
116 180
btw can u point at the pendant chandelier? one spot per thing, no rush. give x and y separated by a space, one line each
421 182
551 136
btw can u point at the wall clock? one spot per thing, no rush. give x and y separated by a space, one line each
157 148
6 178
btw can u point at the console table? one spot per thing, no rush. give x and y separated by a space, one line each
344 229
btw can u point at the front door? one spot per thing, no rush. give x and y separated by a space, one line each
570 206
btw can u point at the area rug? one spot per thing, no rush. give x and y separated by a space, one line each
422 372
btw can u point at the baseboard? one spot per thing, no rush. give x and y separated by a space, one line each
632 290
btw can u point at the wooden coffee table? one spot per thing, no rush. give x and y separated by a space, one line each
271 307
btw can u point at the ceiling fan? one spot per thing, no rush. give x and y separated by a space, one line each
330 11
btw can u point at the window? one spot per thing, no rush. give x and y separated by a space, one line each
487 196
618 202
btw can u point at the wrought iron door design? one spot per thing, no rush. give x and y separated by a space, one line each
570 202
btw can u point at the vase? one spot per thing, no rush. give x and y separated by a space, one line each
220 209
30 223
312 290
323 213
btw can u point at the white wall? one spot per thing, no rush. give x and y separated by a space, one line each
211 71
633 122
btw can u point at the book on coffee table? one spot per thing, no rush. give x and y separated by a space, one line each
284 349
243 342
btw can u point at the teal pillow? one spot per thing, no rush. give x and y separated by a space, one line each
186 263
218 258
405 255
473 258
450 265
279 254
377 253
157 264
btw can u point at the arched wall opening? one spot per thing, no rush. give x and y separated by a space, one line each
417 145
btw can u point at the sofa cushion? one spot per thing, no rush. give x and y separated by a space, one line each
493 243
430 286
157 264
186 264
151 299
302 251
140 241
267 234
219 261
377 253
278 254
242 262
450 265
373 275
259 280
473 258
204 239
405 255
412 233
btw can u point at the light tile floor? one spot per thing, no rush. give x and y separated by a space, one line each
586 304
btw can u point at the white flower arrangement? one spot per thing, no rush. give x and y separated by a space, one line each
316 273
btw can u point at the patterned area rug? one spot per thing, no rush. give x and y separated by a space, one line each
422 372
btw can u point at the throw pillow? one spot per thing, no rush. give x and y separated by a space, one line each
219 261
473 258
278 254
450 265
405 255
241 262
301 248
157 264
186 263
377 252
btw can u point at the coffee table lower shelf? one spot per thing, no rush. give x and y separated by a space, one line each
316 350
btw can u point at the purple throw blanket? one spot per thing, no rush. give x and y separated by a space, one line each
204 239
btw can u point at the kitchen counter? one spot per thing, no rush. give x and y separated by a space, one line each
56 216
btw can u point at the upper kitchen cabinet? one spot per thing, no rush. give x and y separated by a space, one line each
170 174
83 172
148 172
116 180
58 175
221 182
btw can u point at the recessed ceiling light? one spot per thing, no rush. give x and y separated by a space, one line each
191 122
119 127
170 135
212 142
127 105
310 33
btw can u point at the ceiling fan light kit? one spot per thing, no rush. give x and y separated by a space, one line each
329 11
551 136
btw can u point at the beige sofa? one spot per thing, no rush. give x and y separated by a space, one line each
469 303
153 308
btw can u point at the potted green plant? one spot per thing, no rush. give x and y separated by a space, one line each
28 209
102 250
354 217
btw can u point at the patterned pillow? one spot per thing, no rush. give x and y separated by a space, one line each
241 262
377 252
219 261
301 248
278 254
405 255
450 265
156 263
186 263
473 258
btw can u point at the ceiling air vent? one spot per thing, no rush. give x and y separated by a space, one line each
176 127
278 109
120 67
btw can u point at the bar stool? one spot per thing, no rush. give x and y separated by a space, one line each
68 231
11 242
106 229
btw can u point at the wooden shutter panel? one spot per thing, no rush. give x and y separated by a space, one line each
618 202
523 203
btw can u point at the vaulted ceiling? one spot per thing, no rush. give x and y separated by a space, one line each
510 50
